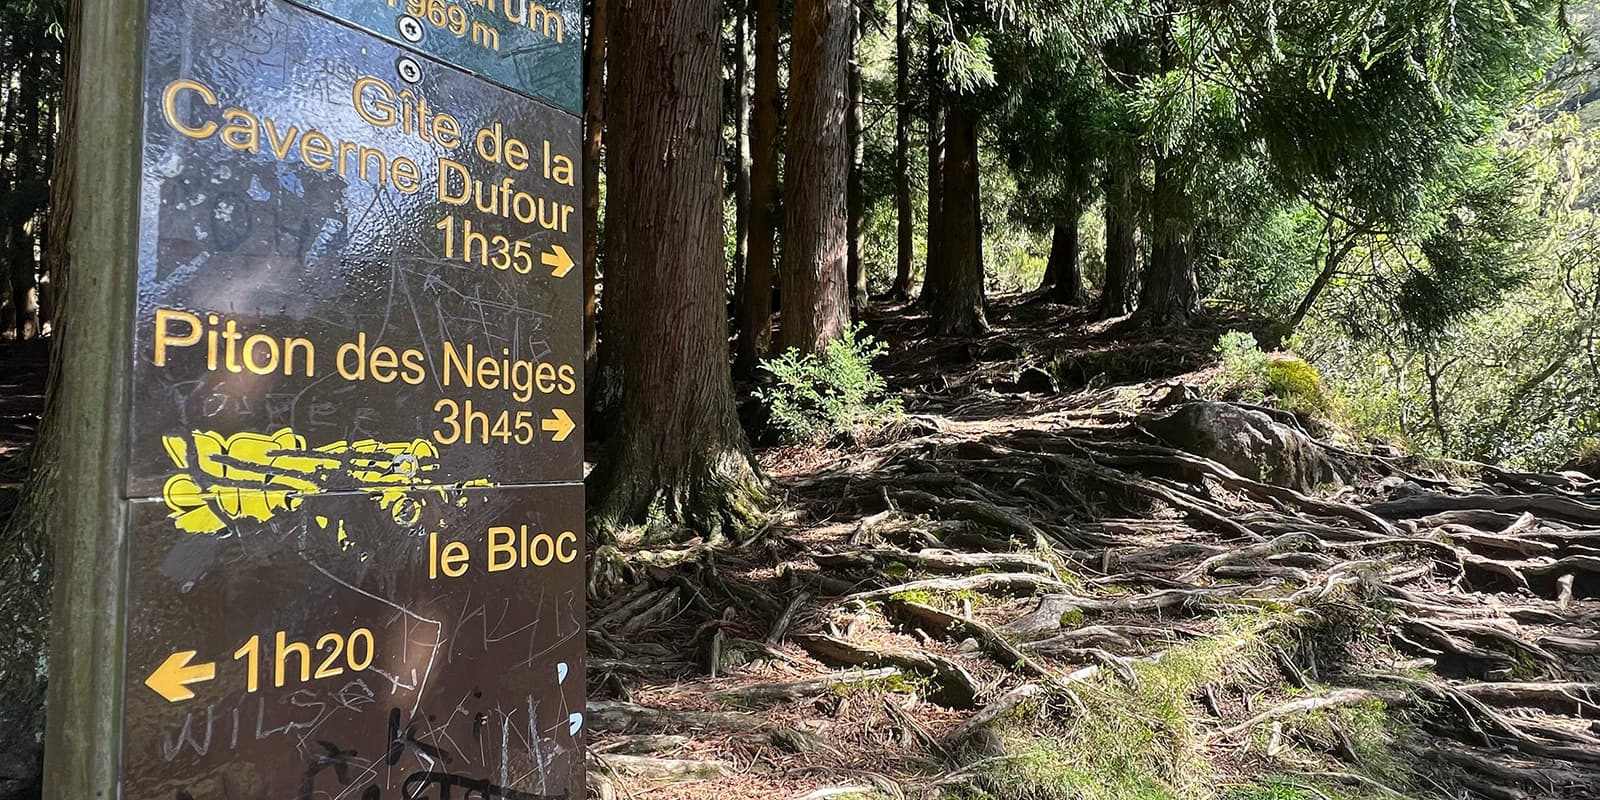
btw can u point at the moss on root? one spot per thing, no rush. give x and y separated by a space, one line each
1147 740
718 497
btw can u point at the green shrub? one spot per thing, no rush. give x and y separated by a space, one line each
827 394
1249 374
1297 386
1243 373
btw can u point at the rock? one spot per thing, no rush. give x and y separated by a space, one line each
1248 442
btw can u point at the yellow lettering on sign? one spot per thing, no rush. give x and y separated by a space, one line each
377 104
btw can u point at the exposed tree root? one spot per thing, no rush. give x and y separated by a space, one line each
1307 705
995 583
954 686
940 623
986 716
1131 553
795 690
940 561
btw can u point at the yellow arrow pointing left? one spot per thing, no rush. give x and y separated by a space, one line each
171 680
558 259
559 424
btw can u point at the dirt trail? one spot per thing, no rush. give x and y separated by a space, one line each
22 382
1015 567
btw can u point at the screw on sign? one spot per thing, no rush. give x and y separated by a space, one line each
411 29
410 71
333 521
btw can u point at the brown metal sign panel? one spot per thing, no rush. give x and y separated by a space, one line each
361 646
352 247
355 560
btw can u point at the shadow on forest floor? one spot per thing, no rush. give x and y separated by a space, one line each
22 381
1020 592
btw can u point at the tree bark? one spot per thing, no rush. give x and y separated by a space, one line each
1066 269
755 313
29 185
1121 185
1122 236
956 307
936 148
816 221
860 290
741 138
679 453
26 549
594 99
1170 293
905 222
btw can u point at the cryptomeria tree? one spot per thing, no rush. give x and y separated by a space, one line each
1053 129
679 455
1358 106
1385 154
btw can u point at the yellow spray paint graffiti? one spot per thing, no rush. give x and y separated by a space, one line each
253 476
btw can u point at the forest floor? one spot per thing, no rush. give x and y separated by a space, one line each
23 366
1020 592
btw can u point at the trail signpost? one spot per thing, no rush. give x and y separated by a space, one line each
322 508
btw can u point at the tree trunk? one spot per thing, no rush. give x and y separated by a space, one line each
29 185
26 549
679 453
1170 294
741 138
860 291
905 222
1065 268
755 313
816 221
1122 237
1337 250
956 308
936 147
594 100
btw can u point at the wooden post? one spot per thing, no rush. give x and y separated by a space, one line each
89 520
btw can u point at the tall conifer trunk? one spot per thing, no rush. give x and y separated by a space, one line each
936 148
816 232
1170 291
27 552
678 450
955 307
1121 186
1065 270
755 305
1122 239
594 94
741 149
905 221
859 288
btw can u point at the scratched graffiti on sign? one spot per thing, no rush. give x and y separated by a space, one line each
355 505
249 476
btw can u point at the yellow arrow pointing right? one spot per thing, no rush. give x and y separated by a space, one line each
558 260
559 424
171 680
